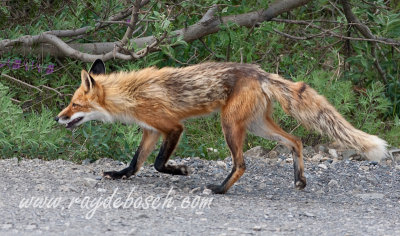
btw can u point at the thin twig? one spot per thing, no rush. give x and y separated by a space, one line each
302 22
15 100
54 90
21 82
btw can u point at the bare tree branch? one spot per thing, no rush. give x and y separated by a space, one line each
21 82
209 24
336 35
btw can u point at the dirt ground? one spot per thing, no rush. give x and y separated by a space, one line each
343 197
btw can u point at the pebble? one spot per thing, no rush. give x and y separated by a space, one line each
221 164
272 154
101 190
89 182
207 191
195 190
86 162
333 183
325 159
348 153
322 148
370 196
256 152
308 214
289 160
99 177
323 166
262 185
333 153
364 168
317 157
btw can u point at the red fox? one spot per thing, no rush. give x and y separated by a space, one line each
158 100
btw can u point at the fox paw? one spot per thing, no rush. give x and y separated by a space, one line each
300 184
183 170
217 189
116 174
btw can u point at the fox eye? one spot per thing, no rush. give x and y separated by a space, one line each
75 105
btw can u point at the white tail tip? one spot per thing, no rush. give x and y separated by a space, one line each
378 151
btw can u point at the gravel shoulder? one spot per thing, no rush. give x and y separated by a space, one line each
342 197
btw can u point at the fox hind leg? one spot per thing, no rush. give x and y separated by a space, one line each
234 136
265 127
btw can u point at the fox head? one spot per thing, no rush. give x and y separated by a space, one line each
86 102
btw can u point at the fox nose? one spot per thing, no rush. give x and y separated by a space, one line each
56 118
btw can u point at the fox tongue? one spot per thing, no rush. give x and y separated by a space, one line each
73 122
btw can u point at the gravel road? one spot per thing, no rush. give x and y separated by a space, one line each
343 197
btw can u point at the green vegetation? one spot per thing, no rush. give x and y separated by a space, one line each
341 70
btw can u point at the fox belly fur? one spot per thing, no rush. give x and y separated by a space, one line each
159 100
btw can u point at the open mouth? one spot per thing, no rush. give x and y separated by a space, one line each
72 123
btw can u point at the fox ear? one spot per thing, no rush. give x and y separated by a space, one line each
98 67
88 82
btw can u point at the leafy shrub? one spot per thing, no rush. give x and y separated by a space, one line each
26 134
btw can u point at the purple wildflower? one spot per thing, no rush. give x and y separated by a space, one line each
50 69
16 64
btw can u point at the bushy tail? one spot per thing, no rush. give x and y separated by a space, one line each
314 111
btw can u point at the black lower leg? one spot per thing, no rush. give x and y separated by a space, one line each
222 188
299 179
127 172
166 150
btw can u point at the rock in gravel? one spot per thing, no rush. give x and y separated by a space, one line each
195 190
317 157
89 182
323 166
322 148
346 154
256 152
221 164
333 183
272 155
364 168
101 190
325 159
207 191
333 153
86 162
370 196
308 214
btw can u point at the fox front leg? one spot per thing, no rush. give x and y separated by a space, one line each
149 139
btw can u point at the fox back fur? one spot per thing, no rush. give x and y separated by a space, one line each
158 100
